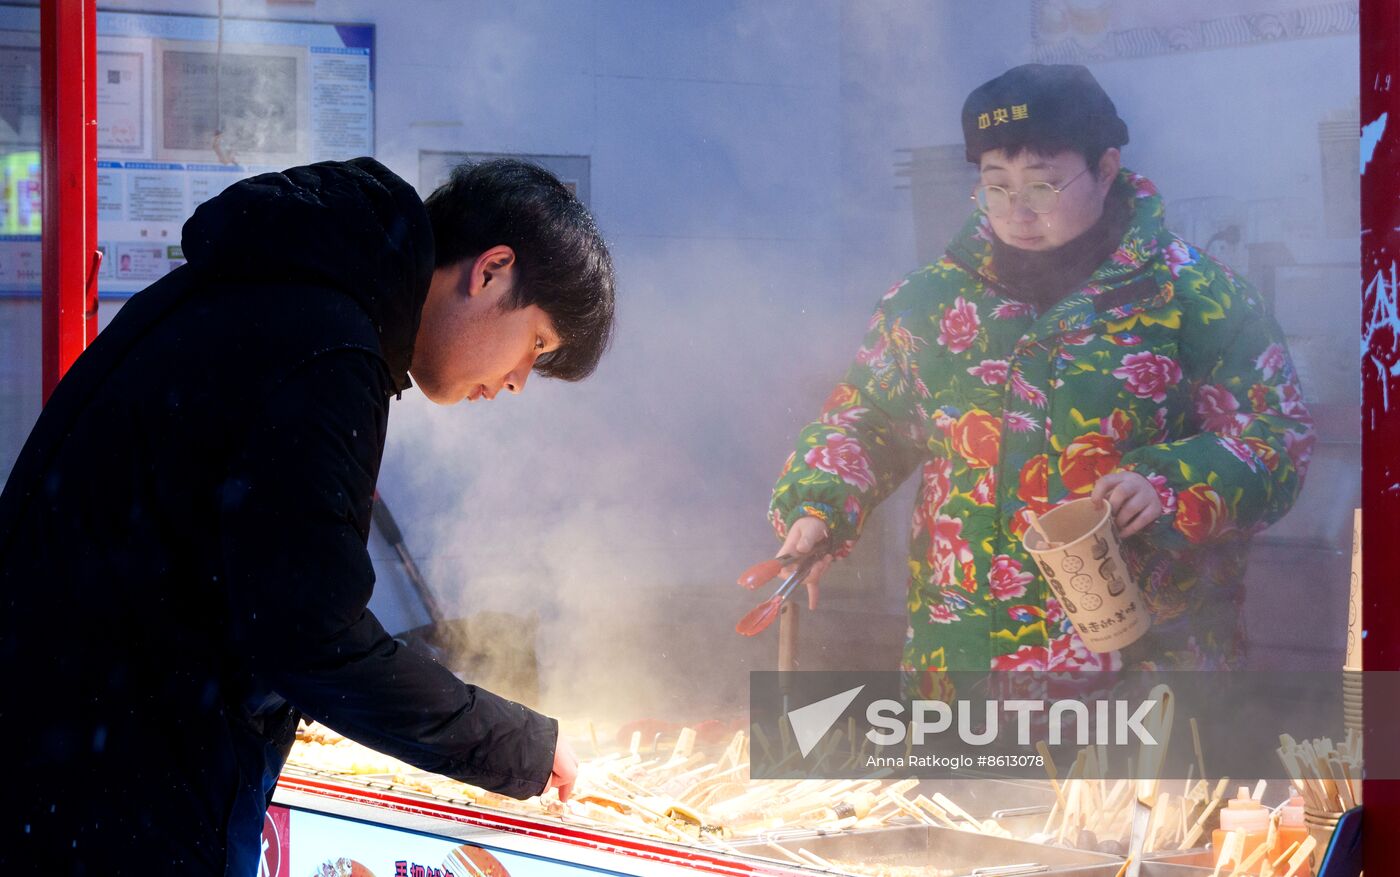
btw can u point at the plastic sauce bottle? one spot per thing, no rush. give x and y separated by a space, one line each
1290 829
1245 814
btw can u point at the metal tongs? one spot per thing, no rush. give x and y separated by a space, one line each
762 615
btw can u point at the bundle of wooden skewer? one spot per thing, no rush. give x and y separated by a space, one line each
1094 813
680 793
1328 776
1091 812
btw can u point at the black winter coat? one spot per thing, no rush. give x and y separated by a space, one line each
182 545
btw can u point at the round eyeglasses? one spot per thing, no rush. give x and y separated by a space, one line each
1039 197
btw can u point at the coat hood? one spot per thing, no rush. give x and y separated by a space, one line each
354 226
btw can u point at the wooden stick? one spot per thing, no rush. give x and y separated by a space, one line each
791 856
1251 860
910 810
758 736
934 810
733 753
948 804
1158 816
1277 863
1296 860
814 859
1063 813
1039 531
1199 827
1049 763
1229 851
1196 742
1124 870
1353 789
1113 803
860 753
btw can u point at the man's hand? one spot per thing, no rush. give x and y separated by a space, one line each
565 770
1134 500
804 535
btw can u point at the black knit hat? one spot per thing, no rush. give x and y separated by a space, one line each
1049 107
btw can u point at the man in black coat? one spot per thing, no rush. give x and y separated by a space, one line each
183 564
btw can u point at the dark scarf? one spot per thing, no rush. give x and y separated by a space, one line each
1043 278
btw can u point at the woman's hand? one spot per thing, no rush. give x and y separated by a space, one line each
1134 500
804 535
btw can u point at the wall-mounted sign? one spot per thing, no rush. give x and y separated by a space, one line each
180 115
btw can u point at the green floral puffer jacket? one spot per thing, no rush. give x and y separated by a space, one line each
1164 363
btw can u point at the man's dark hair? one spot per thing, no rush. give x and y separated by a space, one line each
562 263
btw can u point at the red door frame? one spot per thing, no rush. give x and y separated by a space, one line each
1380 403
68 110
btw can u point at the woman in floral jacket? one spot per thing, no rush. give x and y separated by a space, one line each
1066 345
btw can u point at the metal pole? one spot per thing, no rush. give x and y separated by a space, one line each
1380 387
68 109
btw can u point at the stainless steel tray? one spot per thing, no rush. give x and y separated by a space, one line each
1019 806
963 852
1149 869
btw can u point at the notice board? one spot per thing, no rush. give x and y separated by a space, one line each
279 93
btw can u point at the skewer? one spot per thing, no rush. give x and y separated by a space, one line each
1094 779
910 810
762 740
1196 742
936 812
1251 860
685 744
1049 763
947 804
860 754
1113 804
733 753
1296 860
1057 810
1353 789
788 854
1034 520
1229 851
1266 867
1284 857
814 859
1199 827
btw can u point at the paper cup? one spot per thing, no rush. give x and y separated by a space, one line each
1087 574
